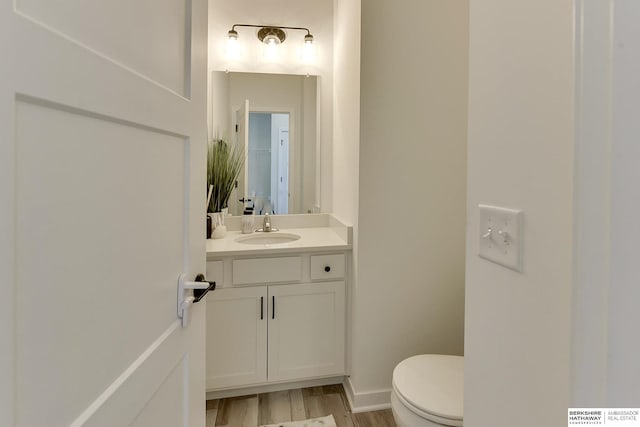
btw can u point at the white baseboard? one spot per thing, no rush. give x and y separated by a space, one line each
268 388
366 401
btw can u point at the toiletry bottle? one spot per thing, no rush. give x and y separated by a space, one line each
247 221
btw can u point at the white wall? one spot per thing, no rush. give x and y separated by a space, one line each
219 113
346 109
518 332
315 15
343 155
409 293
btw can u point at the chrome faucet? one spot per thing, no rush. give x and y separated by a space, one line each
266 224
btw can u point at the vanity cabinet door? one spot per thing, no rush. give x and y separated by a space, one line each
306 330
236 337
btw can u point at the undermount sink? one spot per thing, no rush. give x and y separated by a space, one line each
267 238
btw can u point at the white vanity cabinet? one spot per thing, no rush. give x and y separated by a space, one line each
289 328
306 330
236 337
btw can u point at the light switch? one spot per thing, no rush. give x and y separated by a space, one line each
501 235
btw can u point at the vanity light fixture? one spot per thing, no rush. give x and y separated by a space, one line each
270 34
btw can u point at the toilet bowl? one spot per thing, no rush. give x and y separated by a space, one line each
428 391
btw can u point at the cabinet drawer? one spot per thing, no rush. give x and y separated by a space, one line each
327 267
267 270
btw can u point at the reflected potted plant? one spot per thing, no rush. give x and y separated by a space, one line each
224 164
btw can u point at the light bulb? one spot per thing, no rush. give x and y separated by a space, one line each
272 39
233 49
308 49
271 50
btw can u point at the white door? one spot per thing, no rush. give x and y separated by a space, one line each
237 337
306 330
242 139
283 172
102 183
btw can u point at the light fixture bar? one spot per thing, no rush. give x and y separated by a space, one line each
271 32
282 27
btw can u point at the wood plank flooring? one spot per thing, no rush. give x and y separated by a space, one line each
292 405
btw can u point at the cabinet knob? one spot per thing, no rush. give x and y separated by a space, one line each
327 268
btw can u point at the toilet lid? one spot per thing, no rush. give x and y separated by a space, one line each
432 383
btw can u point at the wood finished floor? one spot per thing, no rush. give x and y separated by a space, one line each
292 405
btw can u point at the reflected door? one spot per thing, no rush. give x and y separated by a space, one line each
282 204
242 193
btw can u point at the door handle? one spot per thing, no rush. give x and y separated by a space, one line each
185 302
273 307
261 308
200 293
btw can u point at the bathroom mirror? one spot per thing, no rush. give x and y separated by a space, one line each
274 118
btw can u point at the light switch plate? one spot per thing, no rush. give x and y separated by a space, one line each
500 236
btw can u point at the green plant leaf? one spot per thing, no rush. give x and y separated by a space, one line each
224 164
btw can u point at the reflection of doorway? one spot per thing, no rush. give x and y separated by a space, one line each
281 195
268 161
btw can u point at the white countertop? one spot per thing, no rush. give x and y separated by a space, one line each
311 239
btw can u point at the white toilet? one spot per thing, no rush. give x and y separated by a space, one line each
428 391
